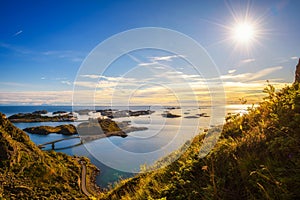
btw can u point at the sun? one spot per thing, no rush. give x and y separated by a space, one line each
244 33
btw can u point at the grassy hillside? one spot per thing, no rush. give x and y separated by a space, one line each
26 172
257 157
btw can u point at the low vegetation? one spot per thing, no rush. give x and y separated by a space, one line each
256 157
26 172
66 129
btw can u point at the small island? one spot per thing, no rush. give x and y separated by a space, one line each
67 129
97 128
64 116
202 115
38 116
110 113
106 127
170 115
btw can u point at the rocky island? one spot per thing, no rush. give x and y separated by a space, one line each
93 127
106 128
170 115
67 129
111 113
39 117
64 116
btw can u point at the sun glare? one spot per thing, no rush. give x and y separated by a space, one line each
244 33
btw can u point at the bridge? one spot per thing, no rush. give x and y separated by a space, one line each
84 139
55 141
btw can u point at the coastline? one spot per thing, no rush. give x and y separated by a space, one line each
107 176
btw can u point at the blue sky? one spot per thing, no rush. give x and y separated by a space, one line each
42 43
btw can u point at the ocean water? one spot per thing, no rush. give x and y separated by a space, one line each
118 157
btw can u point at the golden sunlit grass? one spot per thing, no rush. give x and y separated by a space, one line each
256 157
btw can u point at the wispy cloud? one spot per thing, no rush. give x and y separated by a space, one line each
74 56
231 71
70 55
91 76
108 78
249 60
160 67
66 82
152 61
294 58
250 76
147 64
15 48
18 33
105 81
264 72
165 58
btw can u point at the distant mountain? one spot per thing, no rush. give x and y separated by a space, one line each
26 172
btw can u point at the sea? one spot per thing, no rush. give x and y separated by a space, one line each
118 158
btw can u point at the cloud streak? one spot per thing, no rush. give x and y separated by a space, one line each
249 60
165 58
18 33
250 76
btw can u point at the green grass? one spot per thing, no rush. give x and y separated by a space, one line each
256 157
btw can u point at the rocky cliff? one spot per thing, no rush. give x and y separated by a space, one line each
297 73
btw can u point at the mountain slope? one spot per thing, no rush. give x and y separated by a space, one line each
26 172
257 157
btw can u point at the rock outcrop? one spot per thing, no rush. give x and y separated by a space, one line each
297 73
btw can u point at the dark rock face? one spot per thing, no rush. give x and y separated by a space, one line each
297 73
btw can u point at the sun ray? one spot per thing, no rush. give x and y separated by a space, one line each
246 32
